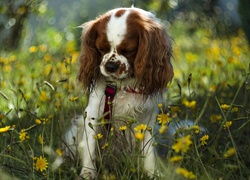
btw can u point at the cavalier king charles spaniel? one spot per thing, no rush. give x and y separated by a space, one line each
125 67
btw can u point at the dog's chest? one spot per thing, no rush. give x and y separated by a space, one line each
129 104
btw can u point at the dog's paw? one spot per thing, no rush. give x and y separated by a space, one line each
87 173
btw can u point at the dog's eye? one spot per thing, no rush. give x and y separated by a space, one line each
101 50
128 53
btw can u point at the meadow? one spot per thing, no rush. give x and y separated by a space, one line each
39 94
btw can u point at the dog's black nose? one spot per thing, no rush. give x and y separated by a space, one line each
111 66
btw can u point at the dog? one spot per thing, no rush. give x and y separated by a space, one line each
125 66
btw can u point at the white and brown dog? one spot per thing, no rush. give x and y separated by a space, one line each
125 66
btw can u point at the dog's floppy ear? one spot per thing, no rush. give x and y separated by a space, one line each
89 59
153 68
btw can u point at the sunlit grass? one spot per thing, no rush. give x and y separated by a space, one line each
39 94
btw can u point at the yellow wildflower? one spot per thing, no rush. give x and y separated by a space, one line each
33 49
140 136
40 163
230 152
214 118
105 146
123 128
196 129
163 129
73 99
59 152
189 104
235 109
182 144
43 96
40 139
23 135
203 140
175 159
187 174
38 121
4 129
175 109
227 124
44 120
43 47
140 128
163 119
160 106
98 136
224 107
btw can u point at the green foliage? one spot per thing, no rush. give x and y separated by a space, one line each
39 95
245 17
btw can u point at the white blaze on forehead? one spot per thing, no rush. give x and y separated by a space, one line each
116 28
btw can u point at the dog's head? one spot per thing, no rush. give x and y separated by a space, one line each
126 43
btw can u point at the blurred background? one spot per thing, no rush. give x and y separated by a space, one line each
39 49
27 22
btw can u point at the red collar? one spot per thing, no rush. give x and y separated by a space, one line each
133 90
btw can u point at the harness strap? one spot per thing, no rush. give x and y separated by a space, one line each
110 92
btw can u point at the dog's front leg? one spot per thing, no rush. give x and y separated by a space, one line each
148 153
88 144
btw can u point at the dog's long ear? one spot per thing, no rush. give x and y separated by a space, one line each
153 68
89 59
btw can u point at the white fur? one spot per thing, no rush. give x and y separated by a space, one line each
116 30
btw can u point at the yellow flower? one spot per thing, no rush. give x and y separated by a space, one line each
98 136
235 109
175 109
140 136
214 118
40 139
38 121
4 129
160 106
190 57
33 49
40 163
189 104
163 129
23 135
224 107
203 140
105 145
175 159
43 47
227 124
196 129
230 152
73 99
187 174
43 96
44 120
163 119
182 144
123 128
140 128
59 152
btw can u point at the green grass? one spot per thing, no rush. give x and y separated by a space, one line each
210 87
